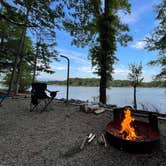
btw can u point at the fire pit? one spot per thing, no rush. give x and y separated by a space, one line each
131 135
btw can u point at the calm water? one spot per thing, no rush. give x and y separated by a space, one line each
150 97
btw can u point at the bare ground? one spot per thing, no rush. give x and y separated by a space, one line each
53 138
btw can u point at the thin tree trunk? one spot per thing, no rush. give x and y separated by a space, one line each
35 62
18 74
135 99
20 53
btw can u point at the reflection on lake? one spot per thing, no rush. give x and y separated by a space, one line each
150 97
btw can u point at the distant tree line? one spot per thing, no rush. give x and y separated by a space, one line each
115 83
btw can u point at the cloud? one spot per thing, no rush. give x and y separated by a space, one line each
139 45
87 69
60 68
135 15
78 57
121 71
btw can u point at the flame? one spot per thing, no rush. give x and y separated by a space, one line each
127 130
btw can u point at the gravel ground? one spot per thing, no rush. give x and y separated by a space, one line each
53 138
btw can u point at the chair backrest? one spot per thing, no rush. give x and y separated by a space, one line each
38 89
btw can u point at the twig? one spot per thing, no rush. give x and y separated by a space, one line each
83 142
105 142
90 140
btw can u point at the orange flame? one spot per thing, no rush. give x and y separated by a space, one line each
126 129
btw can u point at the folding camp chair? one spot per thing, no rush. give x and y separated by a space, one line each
38 93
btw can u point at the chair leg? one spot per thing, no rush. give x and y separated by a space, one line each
46 105
32 107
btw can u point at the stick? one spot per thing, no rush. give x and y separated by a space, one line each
90 140
83 143
90 135
105 142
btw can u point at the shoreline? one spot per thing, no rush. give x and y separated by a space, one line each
78 102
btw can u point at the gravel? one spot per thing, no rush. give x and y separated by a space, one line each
53 138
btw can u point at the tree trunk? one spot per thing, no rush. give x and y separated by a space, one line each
103 85
35 62
103 42
20 53
135 99
18 74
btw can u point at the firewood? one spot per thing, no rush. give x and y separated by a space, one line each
90 135
90 140
105 142
100 140
83 142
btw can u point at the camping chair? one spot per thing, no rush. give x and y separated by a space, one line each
38 93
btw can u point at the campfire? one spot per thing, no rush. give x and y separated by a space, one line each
130 134
127 128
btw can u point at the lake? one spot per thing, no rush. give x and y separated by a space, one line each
121 96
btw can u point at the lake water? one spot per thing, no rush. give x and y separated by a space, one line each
150 97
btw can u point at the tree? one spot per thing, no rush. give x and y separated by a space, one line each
9 42
157 41
135 78
9 37
25 77
98 24
36 14
44 53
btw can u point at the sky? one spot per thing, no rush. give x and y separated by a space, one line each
141 23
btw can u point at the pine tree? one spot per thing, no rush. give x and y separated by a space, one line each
35 15
97 24
157 41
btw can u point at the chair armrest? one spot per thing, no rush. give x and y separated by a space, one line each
53 93
48 90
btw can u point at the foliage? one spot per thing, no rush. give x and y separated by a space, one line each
115 83
25 78
157 41
135 74
36 16
135 78
98 24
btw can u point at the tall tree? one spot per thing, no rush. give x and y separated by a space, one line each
44 53
157 41
35 14
135 78
98 24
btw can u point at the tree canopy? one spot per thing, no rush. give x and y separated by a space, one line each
157 40
97 24
22 17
